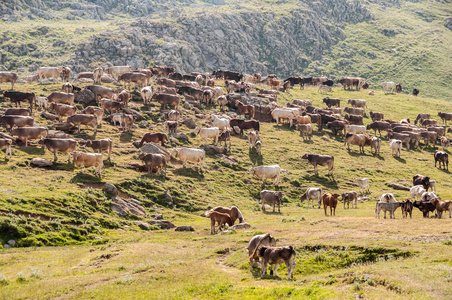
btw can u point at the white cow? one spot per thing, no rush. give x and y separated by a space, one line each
388 86
396 146
312 194
208 133
283 113
417 191
387 198
221 123
42 102
196 156
362 183
262 172
355 129
146 93
428 196
253 137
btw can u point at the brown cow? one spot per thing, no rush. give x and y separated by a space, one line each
332 102
245 109
429 136
167 99
17 112
154 137
9 77
111 106
442 206
357 139
18 97
19 121
94 110
419 179
348 197
354 119
442 157
376 116
65 73
407 208
100 145
97 74
331 201
59 145
153 161
137 78
306 130
101 92
321 160
220 218
60 97
171 126
275 256
124 96
84 119
337 126
166 82
88 160
32 133
405 138
63 110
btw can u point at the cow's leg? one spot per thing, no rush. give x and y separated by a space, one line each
324 208
212 226
55 157
384 214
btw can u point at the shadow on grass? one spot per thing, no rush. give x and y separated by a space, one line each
357 153
379 156
82 178
189 172
255 157
327 180
126 137
33 150
399 159
272 212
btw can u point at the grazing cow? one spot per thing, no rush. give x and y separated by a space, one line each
396 146
63 110
88 160
172 115
416 192
253 137
355 129
233 212
18 97
321 160
29 133
304 103
271 197
42 102
60 145
245 109
262 172
283 113
167 99
337 126
115 71
388 87
332 102
190 91
17 112
221 123
49 72
407 208
442 157
424 207
146 93
244 124
376 116
139 79
357 139
352 197
429 136
208 133
195 156
442 206
404 138
349 82
94 110
354 119
306 130
222 100
171 126
97 74
375 143
254 244
357 103
421 180
101 92
207 97
124 96
445 117
101 145
312 194
60 97
415 92
379 125
9 77
19 121
391 207
423 116
398 87
276 256
6 144
83 119
415 137
354 111
387 198
362 183
331 201
111 106
153 161
154 137
67 88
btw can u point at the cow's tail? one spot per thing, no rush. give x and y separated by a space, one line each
241 219
258 244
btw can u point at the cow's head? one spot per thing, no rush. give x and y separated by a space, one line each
251 171
305 156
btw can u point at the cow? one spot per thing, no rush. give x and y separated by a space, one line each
321 160
362 183
88 160
398 87
49 72
207 97
146 93
115 71
225 136
332 102
443 158
244 124
271 197
29 133
404 138
416 191
376 116
375 143
11 121
254 245
175 76
17 112
445 142
100 145
245 109
387 198
208 133
357 103
388 87
190 91
139 79
415 92
193 155
379 125
67 88
415 137
154 137
124 97
275 256
18 97
171 126
83 119
101 92
324 88
440 130
442 206
60 97
6 144
355 129
407 208
423 116
172 115
429 136
349 82
221 123
352 197
432 185
419 179
59 145
386 207
306 130
167 99
153 162
354 119
357 139
262 172
222 101
9 77
97 74
424 207
312 194
396 146
331 201
111 106
282 113
354 111
94 110
253 137
445 117
63 110
42 102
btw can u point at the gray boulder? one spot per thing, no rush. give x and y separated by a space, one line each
184 228
156 149
110 188
124 207
41 162
163 224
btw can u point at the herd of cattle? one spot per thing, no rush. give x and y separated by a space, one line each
173 88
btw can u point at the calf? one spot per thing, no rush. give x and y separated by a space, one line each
6 144
275 256
171 126
442 157
254 244
331 201
391 207
442 206
407 208
337 126
225 137
153 161
321 160
100 145
312 194
271 197
424 207
375 143
396 146
352 197
42 102
404 138
88 160
253 137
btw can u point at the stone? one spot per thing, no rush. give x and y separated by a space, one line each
84 96
240 226
156 149
110 188
142 225
180 136
124 207
6 246
12 243
41 162
190 123
163 224
184 228
157 216
168 197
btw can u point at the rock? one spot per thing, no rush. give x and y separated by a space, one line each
142 225
156 149
190 123
49 116
85 80
124 207
180 136
157 216
325 138
138 116
12 243
215 149
184 228
168 197
240 226
40 162
64 126
163 224
57 134
110 188
145 124
84 96
398 186
6 246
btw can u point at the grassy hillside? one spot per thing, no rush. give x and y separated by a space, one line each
343 256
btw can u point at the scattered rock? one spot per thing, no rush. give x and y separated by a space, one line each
180 136
157 216
110 188
190 123
156 149
215 149
240 226
168 197
84 96
325 138
41 162
6 246
398 186
57 134
163 224
184 228
124 207
12 243
63 126
142 225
